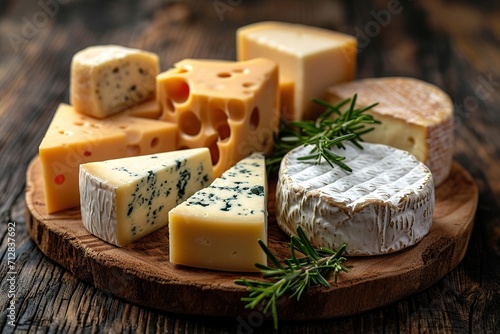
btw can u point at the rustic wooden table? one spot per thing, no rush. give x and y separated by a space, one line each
453 44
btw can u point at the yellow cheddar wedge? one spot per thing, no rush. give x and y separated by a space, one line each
73 138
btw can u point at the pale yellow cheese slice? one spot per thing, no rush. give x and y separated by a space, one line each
310 57
416 116
219 226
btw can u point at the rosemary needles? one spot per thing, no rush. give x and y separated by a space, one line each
293 276
331 128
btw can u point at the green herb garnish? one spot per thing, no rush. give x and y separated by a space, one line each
293 276
331 128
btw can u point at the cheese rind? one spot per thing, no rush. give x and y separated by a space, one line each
312 58
73 138
123 200
229 107
219 227
107 79
416 116
386 204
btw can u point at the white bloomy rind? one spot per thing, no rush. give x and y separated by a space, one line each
100 218
386 204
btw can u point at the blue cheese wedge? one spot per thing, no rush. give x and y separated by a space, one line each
384 205
219 226
123 200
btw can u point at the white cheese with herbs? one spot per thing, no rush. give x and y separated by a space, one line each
125 199
219 226
384 205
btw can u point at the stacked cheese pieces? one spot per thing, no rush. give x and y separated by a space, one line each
122 107
231 109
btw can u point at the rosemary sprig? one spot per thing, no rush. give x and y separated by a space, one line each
294 275
331 128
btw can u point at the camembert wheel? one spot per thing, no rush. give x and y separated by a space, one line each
384 205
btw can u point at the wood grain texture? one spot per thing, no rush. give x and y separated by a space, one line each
141 272
450 43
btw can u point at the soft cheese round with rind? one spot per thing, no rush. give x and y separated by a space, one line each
384 205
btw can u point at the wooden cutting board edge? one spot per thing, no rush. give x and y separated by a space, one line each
143 285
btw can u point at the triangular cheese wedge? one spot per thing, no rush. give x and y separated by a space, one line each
230 107
219 226
73 138
416 117
123 200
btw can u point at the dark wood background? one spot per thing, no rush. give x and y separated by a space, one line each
453 44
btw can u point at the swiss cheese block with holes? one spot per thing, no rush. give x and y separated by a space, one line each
219 226
73 138
230 107
312 58
123 200
107 79
384 205
416 116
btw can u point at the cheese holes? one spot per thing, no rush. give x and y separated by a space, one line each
177 90
169 105
133 136
86 124
224 75
411 141
248 84
66 132
189 123
218 121
154 142
133 150
214 150
254 119
240 70
236 109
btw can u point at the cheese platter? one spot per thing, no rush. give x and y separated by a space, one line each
141 272
176 190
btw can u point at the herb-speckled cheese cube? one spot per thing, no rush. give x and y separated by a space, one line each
219 226
123 200
107 79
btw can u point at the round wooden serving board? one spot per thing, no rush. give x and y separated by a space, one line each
141 272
